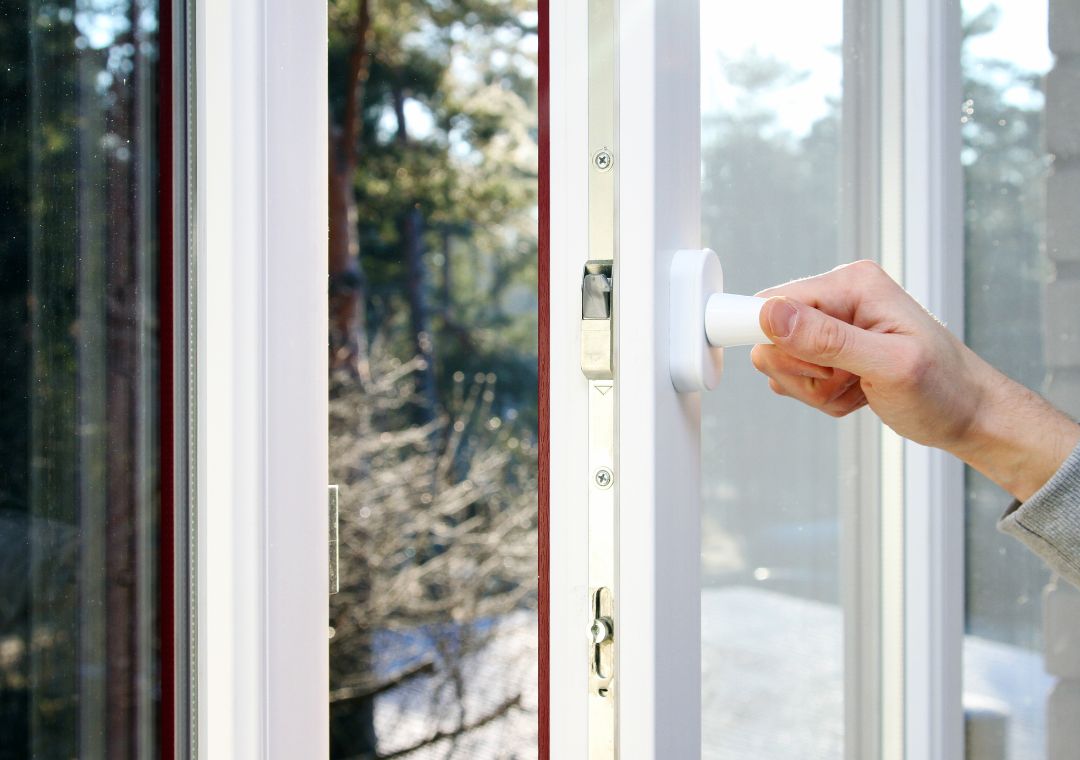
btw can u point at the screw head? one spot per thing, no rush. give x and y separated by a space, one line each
604 477
603 160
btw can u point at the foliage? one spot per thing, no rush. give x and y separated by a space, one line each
433 106
438 536
448 128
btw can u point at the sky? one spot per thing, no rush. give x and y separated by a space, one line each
808 35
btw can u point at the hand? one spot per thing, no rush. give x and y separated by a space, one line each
854 337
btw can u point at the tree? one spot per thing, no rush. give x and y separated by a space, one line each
433 161
433 181
437 544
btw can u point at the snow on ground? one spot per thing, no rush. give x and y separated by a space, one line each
772 682
772 687
507 667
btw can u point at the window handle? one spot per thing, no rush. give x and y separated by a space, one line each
732 320
704 319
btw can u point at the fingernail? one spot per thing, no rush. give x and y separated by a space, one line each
782 316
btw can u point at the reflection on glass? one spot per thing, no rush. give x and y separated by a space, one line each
433 387
772 625
1020 149
78 380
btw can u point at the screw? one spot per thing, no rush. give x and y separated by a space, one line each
603 160
604 477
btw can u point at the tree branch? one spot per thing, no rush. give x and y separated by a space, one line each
439 736
364 691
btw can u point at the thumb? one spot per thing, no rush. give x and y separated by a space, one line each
813 336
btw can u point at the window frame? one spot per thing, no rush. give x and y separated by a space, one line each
260 145
933 486
659 711
261 446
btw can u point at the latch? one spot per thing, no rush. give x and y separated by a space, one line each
597 349
602 636
598 365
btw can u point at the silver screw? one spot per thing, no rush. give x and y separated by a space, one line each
604 477
603 160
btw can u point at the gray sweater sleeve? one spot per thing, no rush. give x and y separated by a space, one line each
1049 522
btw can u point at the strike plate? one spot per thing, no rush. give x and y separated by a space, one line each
599 363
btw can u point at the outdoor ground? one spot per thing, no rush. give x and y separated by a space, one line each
771 691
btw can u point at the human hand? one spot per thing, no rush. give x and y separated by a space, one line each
853 337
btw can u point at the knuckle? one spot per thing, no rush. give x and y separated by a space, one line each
866 268
759 358
912 368
863 273
828 341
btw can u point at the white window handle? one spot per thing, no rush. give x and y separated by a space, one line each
732 320
704 319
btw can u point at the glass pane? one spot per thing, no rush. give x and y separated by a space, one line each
772 624
78 369
1020 148
433 386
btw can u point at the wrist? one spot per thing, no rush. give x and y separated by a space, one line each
1017 439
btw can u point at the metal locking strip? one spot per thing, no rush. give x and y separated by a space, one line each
599 290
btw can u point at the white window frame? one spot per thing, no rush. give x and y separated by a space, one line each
906 130
658 577
933 272
261 141
904 633
905 624
261 208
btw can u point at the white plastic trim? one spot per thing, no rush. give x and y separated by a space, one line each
261 143
933 480
659 430
569 453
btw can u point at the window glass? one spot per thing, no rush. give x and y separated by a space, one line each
433 378
1021 158
79 479
772 623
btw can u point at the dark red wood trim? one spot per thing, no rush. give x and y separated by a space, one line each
167 387
544 349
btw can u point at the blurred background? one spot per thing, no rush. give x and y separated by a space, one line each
776 474
80 672
433 377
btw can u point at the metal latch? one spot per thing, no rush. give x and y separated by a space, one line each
602 635
598 365
596 334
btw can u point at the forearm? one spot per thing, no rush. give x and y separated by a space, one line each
1018 439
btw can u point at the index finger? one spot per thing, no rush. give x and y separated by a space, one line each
839 292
